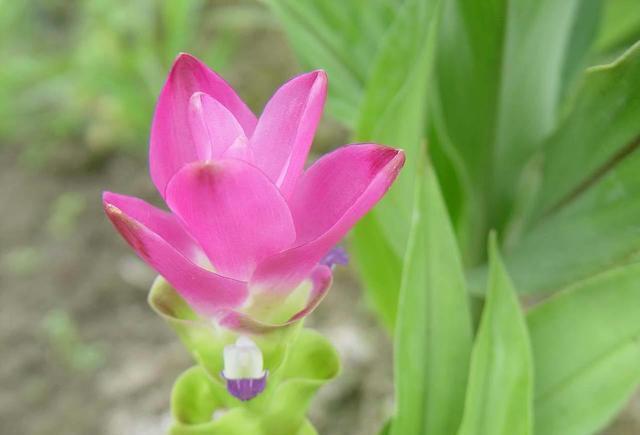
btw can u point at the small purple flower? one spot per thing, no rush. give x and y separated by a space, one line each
246 389
243 369
337 255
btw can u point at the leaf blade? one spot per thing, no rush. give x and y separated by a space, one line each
499 125
342 40
433 335
393 113
602 123
500 392
595 233
586 347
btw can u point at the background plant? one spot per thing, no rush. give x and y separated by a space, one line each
530 112
90 73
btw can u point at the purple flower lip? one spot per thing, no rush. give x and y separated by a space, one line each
246 388
337 255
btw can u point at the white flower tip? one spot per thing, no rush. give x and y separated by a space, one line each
245 341
243 360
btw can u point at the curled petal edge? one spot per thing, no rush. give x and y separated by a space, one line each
237 321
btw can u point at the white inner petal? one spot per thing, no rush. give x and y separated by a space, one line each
243 360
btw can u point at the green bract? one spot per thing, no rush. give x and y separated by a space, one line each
299 361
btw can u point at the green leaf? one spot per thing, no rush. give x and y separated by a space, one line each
586 350
464 205
596 232
590 189
433 334
341 38
584 34
602 127
500 69
620 26
500 392
393 108
379 266
393 114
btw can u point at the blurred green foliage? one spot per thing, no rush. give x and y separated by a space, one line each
80 79
64 339
64 214
22 260
523 141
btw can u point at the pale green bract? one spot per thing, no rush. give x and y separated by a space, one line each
299 362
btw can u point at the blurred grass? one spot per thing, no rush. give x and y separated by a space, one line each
80 79
63 336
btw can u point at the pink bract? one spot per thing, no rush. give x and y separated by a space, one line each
246 217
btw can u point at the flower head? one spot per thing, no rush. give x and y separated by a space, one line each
249 226
243 371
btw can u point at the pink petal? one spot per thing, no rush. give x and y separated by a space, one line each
163 223
213 127
234 211
240 150
321 278
171 143
207 292
329 199
286 128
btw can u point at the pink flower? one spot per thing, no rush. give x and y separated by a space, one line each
248 223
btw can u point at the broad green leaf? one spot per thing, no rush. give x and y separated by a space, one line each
379 266
596 232
586 347
340 37
500 68
464 205
581 44
433 333
393 109
620 25
393 114
602 126
590 188
500 392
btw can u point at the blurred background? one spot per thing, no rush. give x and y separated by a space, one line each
81 352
